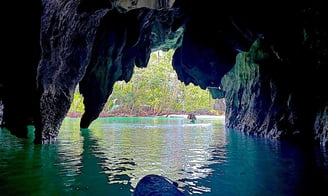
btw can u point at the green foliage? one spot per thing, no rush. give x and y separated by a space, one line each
77 104
154 90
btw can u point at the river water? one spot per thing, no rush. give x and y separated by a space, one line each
203 158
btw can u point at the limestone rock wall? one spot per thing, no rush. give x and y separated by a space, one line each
255 104
123 40
66 39
276 93
93 45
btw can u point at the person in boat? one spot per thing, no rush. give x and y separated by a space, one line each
192 117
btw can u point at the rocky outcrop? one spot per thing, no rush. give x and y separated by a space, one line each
268 62
156 185
66 39
93 48
123 40
255 99
278 93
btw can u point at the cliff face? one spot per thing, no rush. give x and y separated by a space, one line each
280 93
270 70
265 102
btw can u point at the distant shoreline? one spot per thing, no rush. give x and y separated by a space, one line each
177 115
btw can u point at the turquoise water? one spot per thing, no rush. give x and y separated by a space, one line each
115 153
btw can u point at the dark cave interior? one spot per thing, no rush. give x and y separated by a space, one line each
269 62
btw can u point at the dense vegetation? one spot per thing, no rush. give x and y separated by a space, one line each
154 90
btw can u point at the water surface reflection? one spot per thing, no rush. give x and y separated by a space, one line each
115 153
134 148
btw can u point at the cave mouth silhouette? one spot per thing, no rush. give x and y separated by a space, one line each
161 77
270 60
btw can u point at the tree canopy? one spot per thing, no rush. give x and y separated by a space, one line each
154 90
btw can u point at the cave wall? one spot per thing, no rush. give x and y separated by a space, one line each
93 47
257 103
133 4
321 126
279 93
269 62
66 40
123 40
20 54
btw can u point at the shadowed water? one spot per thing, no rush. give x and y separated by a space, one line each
115 153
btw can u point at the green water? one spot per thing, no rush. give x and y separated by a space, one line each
204 158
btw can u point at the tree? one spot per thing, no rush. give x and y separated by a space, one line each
156 90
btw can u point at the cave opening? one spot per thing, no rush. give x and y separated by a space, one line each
270 61
155 90
260 64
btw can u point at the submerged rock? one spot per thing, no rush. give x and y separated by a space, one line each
156 185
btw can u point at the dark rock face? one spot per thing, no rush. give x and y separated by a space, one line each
67 39
279 93
270 67
20 54
156 185
118 48
321 126
93 46
256 99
